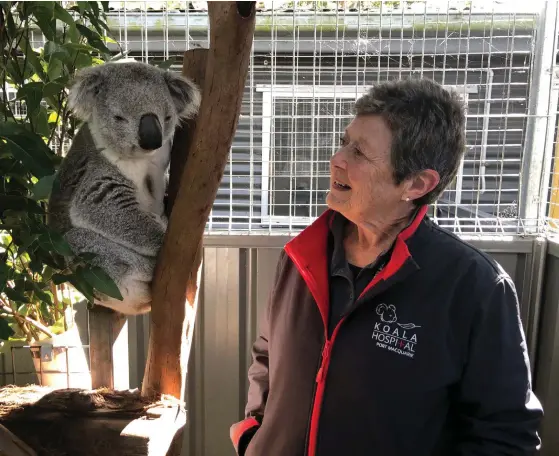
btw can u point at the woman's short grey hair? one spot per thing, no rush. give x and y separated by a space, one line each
428 128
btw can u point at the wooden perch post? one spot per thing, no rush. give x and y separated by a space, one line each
177 275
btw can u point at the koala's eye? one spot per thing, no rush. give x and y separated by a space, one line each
167 119
119 118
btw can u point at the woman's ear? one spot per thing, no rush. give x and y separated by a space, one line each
421 184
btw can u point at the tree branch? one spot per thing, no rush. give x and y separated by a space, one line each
178 269
22 318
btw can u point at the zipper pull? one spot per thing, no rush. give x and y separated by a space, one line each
325 356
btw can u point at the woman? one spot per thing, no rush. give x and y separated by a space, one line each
385 334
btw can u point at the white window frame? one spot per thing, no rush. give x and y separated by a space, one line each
288 92
12 90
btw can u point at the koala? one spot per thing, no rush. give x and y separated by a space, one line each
387 313
108 197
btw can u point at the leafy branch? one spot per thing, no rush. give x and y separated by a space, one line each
37 266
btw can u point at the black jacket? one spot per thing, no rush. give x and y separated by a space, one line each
431 360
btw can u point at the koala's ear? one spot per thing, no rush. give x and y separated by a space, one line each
83 90
186 95
381 308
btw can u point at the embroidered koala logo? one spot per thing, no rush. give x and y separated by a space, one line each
387 313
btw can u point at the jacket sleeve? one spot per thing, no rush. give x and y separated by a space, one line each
243 431
497 410
258 377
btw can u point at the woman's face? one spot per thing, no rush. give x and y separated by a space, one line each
362 186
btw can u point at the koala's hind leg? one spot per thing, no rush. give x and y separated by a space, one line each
131 272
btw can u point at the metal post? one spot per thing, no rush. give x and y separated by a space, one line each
543 99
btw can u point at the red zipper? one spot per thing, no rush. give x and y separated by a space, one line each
321 376
319 393
325 360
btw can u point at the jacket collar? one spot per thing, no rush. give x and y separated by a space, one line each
338 225
309 252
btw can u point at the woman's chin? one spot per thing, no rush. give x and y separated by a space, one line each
335 201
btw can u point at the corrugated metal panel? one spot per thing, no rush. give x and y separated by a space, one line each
225 329
215 390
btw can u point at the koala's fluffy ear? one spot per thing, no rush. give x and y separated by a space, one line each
186 95
83 90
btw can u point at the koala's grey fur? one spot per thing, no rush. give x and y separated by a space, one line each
110 192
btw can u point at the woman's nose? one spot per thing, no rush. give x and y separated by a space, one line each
338 160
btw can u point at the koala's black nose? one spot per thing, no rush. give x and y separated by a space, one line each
150 137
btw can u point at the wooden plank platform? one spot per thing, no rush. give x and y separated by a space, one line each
99 422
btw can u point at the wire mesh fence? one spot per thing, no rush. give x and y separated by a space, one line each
311 60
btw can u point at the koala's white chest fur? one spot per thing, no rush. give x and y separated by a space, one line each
147 174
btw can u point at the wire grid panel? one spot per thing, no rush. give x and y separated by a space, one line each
61 366
311 60
60 362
